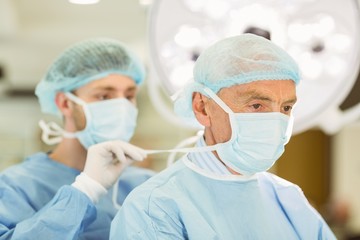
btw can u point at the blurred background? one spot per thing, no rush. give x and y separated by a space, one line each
323 157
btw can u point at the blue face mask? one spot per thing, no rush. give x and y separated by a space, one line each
257 139
113 119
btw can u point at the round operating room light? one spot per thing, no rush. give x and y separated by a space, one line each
322 36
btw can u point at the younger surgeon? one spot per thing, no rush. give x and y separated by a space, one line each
93 86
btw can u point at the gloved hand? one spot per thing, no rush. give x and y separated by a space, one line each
104 164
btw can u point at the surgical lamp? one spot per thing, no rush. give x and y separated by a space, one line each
321 35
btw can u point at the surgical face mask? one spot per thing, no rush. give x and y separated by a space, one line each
257 139
113 119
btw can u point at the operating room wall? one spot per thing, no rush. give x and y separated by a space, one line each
325 167
345 174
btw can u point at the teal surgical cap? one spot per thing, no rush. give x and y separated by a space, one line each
84 62
236 60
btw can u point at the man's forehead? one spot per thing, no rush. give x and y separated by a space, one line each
261 84
114 79
113 82
261 89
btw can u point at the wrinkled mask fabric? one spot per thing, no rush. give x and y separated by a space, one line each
113 119
257 139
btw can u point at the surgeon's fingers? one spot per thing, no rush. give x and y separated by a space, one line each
124 151
111 148
135 153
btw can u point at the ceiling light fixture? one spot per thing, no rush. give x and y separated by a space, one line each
84 2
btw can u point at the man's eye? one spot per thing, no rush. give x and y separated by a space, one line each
130 97
103 97
256 106
287 108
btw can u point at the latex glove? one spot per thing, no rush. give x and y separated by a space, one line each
104 164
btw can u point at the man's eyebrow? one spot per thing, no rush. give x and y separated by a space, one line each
291 101
111 88
104 88
253 95
131 89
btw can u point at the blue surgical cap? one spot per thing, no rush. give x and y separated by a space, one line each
84 62
236 60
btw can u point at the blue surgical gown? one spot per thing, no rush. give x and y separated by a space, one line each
37 202
186 202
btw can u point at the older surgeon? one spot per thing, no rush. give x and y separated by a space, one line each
243 94
93 86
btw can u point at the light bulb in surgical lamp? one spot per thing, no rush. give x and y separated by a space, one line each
216 9
195 5
340 42
312 69
187 36
324 25
335 66
299 32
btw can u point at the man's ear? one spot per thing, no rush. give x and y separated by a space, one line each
199 108
63 103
